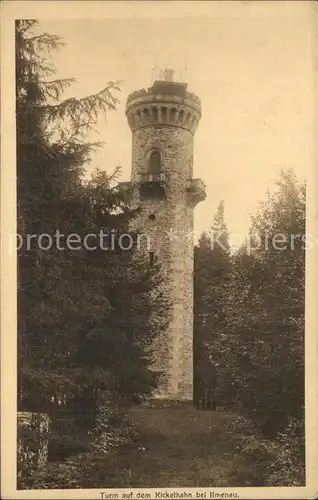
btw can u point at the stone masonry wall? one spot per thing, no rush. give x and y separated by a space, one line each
171 238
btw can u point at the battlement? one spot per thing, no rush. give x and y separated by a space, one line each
165 103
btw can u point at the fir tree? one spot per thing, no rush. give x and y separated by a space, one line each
264 331
274 304
86 317
212 268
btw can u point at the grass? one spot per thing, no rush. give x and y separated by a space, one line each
177 447
182 447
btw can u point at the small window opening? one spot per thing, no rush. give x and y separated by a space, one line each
151 258
152 217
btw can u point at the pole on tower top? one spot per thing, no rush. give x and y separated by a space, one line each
168 75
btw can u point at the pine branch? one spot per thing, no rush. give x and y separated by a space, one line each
44 42
74 135
87 108
33 67
55 88
24 25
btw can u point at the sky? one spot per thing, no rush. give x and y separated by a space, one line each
251 64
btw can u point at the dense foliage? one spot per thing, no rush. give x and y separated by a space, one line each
212 272
87 316
254 338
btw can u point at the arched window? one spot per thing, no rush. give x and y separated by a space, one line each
154 162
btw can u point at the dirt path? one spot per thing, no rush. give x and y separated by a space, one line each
180 447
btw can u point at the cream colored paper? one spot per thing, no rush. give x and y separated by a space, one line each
247 133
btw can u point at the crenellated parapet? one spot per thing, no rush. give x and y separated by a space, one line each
165 103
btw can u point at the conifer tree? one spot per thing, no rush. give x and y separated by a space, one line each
85 316
51 154
264 337
212 268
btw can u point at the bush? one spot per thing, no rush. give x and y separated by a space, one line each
32 438
289 469
97 467
267 462
249 467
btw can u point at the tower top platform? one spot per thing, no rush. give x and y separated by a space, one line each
164 103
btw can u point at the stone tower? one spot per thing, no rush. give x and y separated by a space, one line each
163 120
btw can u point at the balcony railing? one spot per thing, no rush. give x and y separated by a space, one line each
157 177
196 189
196 184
